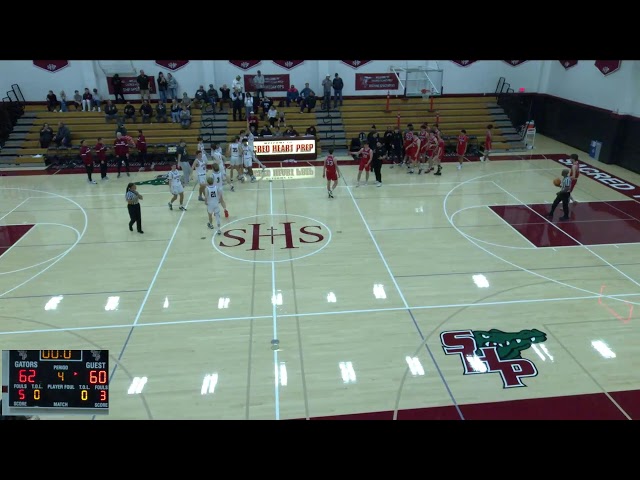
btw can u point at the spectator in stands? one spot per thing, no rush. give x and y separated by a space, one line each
77 98
248 104
143 84
282 121
237 84
272 115
52 101
118 88
326 89
172 85
175 111
96 102
86 100
252 119
290 132
304 93
200 98
185 117
161 112
162 87
63 136
309 102
266 131
312 132
258 84
111 112
238 102
225 96
186 101
129 113
146 111
292 95
266 106
276 131
63 101
338 85
46 135
212 95
121 129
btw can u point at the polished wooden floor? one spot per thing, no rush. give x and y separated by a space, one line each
311 307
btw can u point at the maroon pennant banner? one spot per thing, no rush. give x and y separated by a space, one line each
355 63
515 63
172 65
567 64
51 65
607 67
463 63
245 64
288 64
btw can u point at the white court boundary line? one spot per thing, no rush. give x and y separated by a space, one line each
274 312
320 314
586 247
84 229
14 209
504 260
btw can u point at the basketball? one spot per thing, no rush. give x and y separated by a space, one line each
557 182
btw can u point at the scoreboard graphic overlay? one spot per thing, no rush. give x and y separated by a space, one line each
46 382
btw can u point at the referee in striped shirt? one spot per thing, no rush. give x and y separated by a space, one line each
133 204
562 196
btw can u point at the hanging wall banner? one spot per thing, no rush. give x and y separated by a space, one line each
463 63
288 64
607 67
245 64
515 63
272 83
130 85
355 63
172 65
51 65
567 64
376 81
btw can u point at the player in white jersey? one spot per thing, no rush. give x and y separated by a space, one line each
213 199
248 157
201 148
175 186
200 167
250 139
219 179
235 159
218 157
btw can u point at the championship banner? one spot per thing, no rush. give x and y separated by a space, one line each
376 81
245 64
172 65
355 63
130 85
567 64
515 63
607 67
288 64
272 83
463 63
296 148
52 66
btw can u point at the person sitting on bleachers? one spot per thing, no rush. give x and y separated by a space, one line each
121 129
129 113
96 101
161 112
63 136
111 112
146 111
252 119
304 93
276 131
212 95
309 103
46 135
77 99
52 101
175 111
290 132
185 117
186 101
292 95
200 99
87 98
266 130
63 101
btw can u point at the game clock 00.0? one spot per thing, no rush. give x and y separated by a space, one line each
55 382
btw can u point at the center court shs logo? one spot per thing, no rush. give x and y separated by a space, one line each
259 236
494 351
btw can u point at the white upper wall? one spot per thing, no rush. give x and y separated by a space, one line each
583 83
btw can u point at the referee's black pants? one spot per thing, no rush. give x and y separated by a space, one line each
564 198
376 164
135 215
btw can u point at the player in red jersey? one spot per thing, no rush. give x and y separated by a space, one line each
365 154
85 155
574 174
461 149
487 143
432 149
440 154
101 153
423 136
330 172
411 147
121 148
141 146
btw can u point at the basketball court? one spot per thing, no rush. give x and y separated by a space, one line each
449 297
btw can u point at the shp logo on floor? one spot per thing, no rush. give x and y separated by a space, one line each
494 351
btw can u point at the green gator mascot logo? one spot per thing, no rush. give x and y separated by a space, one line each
159 180
494 351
